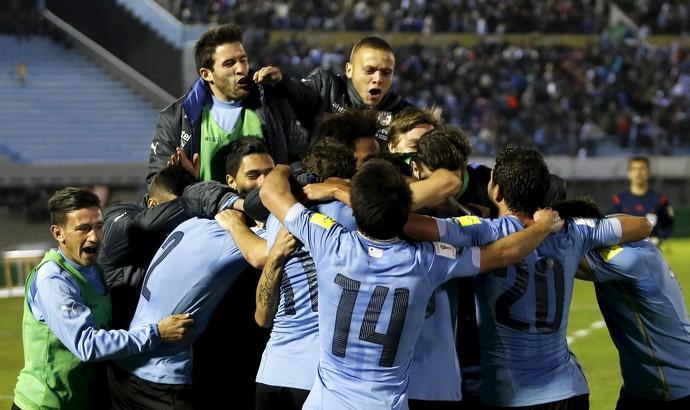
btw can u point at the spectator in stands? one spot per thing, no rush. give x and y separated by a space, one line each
21 72
575 16
223 105
641 200
67 313
366 84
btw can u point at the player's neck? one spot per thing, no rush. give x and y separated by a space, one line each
639 189
504 211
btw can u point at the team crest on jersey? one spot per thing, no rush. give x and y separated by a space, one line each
446 250
468 220
385 117
322 220
608 253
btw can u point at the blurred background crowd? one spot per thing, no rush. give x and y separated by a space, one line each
617 91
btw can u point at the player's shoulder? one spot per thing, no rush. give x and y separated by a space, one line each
50 270
120 210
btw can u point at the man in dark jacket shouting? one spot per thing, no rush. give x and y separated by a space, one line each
223 105
366 83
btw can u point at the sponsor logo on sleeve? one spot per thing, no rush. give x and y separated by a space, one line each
322 220
468 220
608 253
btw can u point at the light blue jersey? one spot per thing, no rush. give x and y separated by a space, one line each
523 317
435 372
372 302
55 298
292 352
643 306
190 273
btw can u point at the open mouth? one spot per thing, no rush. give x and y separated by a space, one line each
375 92
90 250
243 81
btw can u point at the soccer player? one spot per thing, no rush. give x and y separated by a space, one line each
647 318
223 105
374 287
133 232
190 273
289 302
523 309
67 314
366 84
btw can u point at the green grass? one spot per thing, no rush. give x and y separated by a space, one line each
594 348
11 356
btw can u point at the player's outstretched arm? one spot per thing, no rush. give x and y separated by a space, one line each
635 228
275 192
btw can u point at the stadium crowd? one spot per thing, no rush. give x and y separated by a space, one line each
617 95
620 93
424 16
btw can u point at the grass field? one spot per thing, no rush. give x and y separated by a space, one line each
588 336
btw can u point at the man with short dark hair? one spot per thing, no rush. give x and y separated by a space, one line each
133 232
523 309
67 315
366 84
223 105
641 200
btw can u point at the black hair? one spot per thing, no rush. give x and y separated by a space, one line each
239 149
381 199
68 200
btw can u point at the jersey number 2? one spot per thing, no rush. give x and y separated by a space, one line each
169 244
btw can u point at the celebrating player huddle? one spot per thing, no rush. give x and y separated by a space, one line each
276 229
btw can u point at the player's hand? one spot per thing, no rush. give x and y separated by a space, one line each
176 328
284 244
230 218
549 217
268 75
179 158
321 191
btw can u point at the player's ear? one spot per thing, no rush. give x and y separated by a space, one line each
57 233
231 181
